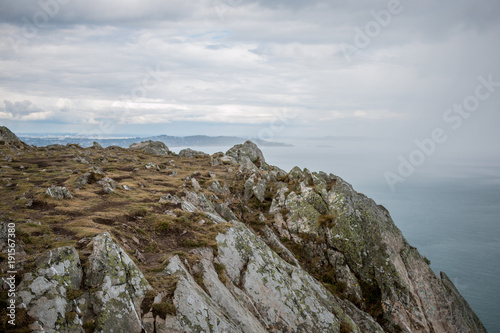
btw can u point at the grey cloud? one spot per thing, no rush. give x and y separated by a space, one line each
20 108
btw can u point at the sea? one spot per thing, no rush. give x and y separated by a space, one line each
448 207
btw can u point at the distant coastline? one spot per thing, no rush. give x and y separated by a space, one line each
126 141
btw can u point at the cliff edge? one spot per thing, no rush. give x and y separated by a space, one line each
139 240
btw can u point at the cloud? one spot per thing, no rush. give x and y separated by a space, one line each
239 61
24 110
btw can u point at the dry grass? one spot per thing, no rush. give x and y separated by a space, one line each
134 218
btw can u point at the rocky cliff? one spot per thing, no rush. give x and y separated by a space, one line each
144 240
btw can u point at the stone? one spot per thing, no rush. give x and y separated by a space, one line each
151 147
150 165
119 286
7 136
195 184
188 152
108 185
94 174
169 198
44 291
251 151
58 192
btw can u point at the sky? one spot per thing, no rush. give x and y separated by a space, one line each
397 69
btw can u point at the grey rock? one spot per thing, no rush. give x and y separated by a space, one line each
44 291
169 198
108 185
284 295
58 192
249 150
94 174
188 152
259 190
7 136
80 159
151 147
196 311
120 287
195 184
150 165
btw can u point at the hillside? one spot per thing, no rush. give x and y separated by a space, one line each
143 240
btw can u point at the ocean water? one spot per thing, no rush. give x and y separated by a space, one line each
448 209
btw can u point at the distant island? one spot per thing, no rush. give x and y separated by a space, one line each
125 142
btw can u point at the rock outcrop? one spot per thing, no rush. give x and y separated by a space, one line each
243 247
188 152
7 136
151 147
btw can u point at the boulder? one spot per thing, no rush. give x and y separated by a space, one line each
248 151
119 287
151 147
7 136
44 292
188 152
58 192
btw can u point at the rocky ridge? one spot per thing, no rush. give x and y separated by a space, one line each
200 243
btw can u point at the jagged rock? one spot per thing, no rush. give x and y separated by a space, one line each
150 165
195 184
373 252
108 185
199 202
171 173
259 190
8 158
120 287
93 175
284 296
191 153
58 192
196 311
151 147
224 211
296 173
7 136
96 145
214 161
215 187
249 280
80 159
44 292
272 241
248 151
170 199
55 146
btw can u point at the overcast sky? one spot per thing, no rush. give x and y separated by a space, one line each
255 68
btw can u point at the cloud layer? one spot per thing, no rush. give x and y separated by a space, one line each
371 68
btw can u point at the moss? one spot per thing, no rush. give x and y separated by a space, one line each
140 231
163 309
326 221
345 327
72 294
89 326
221 272
70 316
147 302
